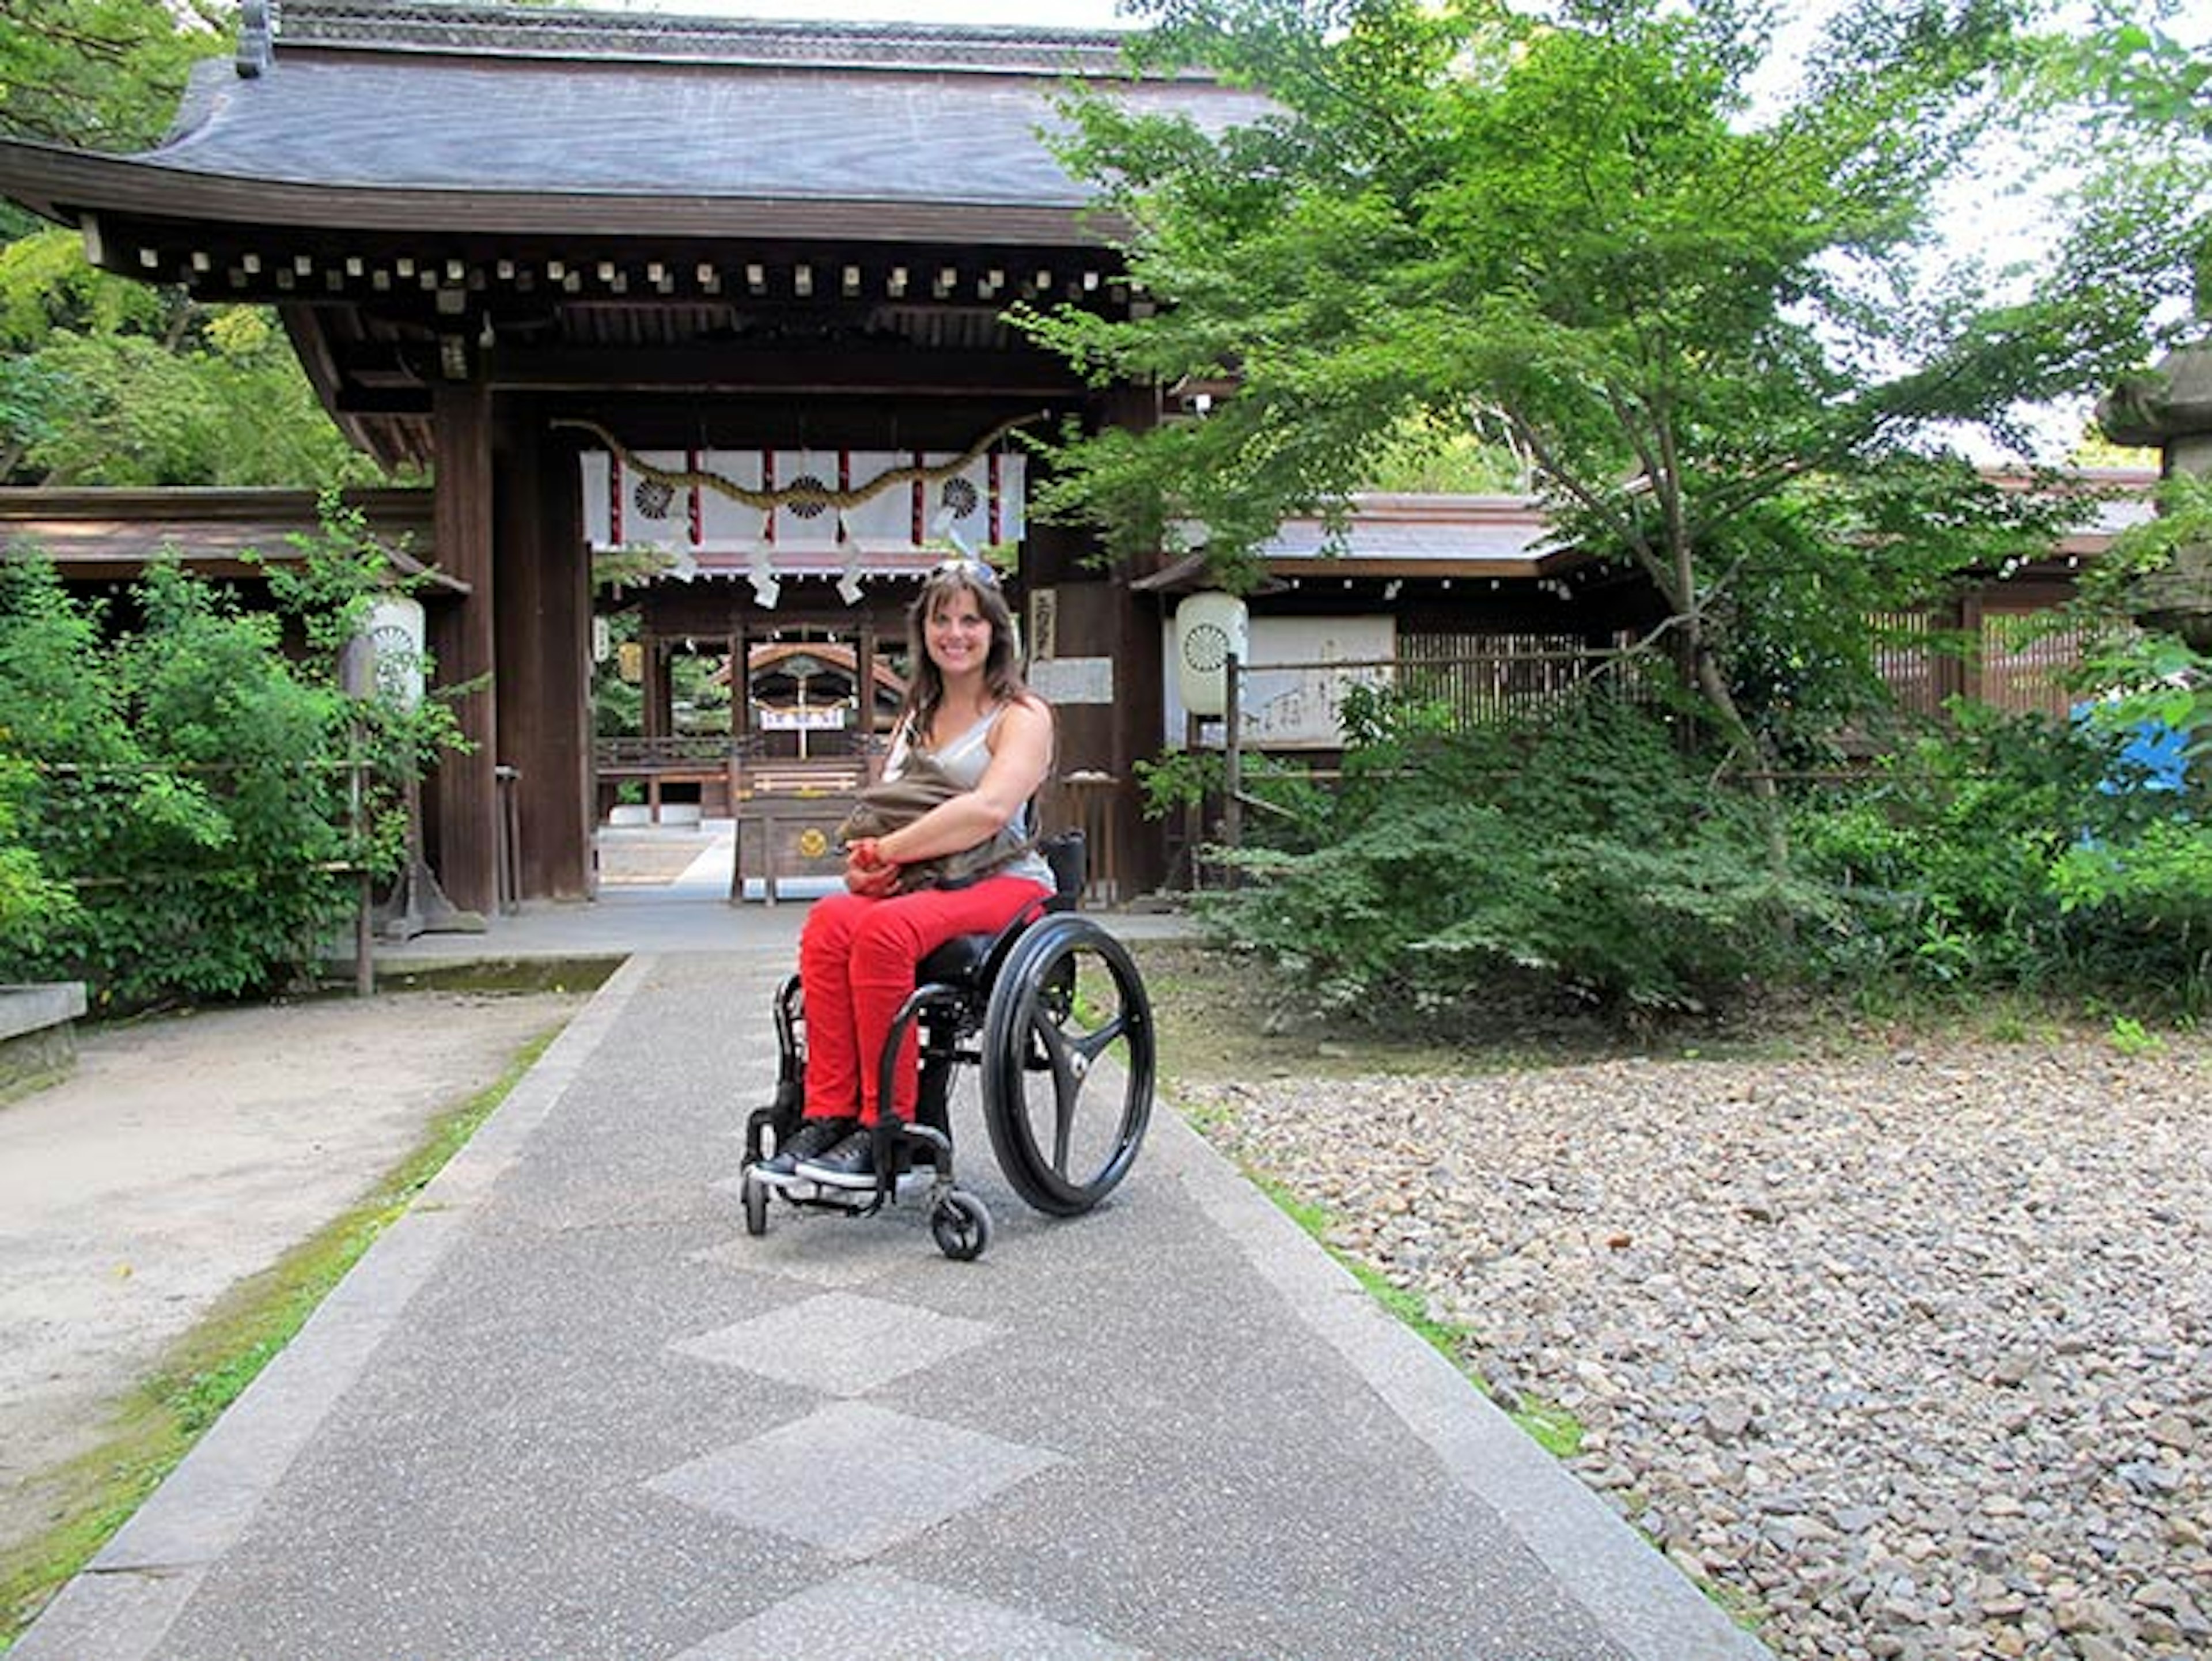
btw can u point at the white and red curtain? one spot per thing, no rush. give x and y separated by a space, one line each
624 506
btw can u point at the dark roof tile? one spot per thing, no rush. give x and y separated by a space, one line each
484 98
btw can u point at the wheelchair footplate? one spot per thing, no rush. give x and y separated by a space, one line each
904 1153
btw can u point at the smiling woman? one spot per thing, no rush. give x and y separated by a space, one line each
971 722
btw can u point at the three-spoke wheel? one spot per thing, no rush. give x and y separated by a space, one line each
1067 1050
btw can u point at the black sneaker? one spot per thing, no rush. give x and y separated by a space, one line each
850 1164
813 1136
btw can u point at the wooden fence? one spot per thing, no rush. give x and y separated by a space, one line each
2015 661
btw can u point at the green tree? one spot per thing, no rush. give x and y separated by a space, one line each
104 380
103 75
2140 155
1715 326
186 769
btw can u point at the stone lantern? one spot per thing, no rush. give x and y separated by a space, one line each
2169 406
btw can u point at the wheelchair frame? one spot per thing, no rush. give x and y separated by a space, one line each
1019 1004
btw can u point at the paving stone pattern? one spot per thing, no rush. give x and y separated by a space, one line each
565 1407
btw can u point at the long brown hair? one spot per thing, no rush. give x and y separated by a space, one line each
1002 664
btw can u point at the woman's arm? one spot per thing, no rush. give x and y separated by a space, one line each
1021 755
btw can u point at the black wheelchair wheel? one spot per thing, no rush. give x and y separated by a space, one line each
1068 1055
756 1198
960 1226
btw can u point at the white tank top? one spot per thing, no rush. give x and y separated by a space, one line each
965 760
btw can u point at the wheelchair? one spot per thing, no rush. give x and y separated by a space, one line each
1053 1013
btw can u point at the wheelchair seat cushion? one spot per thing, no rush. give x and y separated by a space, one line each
959 962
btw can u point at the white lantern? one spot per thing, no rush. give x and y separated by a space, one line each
1209 627
396 639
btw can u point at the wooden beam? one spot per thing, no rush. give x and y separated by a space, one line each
736 369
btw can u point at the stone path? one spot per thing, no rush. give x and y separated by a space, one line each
567 1407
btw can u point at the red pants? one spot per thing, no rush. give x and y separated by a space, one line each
857 957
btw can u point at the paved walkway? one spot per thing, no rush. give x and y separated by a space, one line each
568 1408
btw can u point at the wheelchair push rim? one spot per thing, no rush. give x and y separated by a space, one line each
1068 1055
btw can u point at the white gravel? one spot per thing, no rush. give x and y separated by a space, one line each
1907 1354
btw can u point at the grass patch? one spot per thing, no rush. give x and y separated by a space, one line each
1552 1428
157 1424
581 974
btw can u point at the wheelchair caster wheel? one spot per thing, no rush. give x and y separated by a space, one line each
961 1225
756 1198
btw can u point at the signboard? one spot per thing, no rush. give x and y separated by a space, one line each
1044 623
1074 680
1293 708
825 718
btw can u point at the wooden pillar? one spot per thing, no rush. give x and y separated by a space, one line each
466 815
1967 679
1107 644
542 636
656 713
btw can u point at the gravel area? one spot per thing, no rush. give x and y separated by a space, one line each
1908 1354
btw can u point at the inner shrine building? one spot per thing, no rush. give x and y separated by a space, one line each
733 290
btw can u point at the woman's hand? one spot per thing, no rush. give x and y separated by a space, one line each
867 872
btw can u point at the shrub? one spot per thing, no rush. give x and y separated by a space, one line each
189 781
33 906
2010 851
180 791
1588 850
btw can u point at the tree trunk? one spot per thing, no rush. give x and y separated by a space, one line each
1744 743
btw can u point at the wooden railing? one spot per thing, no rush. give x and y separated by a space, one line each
705 760
638 756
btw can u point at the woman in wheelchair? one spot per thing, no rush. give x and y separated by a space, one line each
967 709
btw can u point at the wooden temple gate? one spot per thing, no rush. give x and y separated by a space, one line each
501 239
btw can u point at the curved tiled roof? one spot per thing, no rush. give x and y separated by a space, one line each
515 30
667 205
679 117
625 128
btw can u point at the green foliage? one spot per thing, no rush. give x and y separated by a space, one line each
48 286
2131 1037
1179 780
1942 856
1594 854
102 73
33 906
327 591
2011 851
162 848
2138 91
225 404
1713 329
2157 889
1588 851
109 382
188 780
618 705
1430 456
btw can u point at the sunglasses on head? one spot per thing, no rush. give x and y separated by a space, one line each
967 565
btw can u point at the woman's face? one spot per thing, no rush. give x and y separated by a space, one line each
957 634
